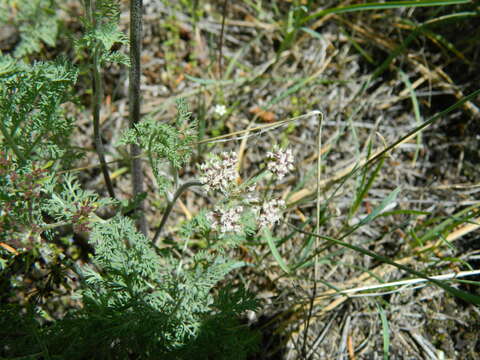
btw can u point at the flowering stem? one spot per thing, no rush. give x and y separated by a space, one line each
171 202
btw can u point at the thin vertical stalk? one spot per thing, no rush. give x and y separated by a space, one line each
134 106
220 45
317 232
97 104
97 96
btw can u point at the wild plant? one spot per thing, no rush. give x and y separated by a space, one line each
35 24
137 299
138 295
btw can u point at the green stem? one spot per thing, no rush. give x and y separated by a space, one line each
97 104
169 208
11 142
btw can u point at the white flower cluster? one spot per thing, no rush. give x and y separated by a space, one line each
219 173
280 162
226 220
270 212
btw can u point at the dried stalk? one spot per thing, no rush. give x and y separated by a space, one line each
134 104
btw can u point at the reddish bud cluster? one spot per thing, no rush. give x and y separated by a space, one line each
80 218
5 164
20 190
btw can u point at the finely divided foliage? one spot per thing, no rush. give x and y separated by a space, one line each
133 294
102 33
32 121
165 143
136 299
115 293
36 21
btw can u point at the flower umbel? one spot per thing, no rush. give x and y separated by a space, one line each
270 212
219 173
226 220
280 162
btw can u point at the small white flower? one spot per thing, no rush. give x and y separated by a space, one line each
220 110
250 194
270 212
219 173
280 162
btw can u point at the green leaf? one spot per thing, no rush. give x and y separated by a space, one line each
381 6
365 187
273 248
108 35
385 202
385 332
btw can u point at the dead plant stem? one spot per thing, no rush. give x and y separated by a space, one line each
134 106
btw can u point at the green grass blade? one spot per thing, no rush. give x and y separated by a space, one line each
450 223
385 332
424 125
357 46
214 81
385 202
416 111
365 187
291 90
381 6
273 248
405 212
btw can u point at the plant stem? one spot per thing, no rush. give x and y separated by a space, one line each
220 45
169 208
134 105
97 96
97 104
11 142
